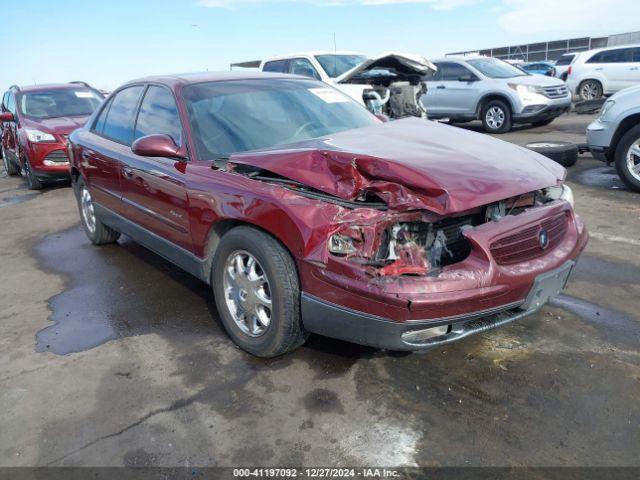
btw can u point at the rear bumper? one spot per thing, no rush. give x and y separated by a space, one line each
334 321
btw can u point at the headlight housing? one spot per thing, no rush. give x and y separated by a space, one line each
561 192
340 244
524 88
606 108
36 136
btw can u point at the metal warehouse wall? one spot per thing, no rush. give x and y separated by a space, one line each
552 50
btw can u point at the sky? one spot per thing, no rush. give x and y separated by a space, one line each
108 43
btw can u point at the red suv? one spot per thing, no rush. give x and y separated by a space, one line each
306 213
36 122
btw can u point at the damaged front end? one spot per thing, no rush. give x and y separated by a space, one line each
395 82
421 244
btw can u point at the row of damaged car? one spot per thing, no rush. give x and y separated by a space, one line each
454 89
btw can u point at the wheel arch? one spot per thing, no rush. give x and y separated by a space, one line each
623 127
218 229
487 97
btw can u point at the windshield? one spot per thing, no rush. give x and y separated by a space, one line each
336 65
242 115
494 68
60 103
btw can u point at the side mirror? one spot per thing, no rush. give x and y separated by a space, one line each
382 117
6 117
468 78
158 146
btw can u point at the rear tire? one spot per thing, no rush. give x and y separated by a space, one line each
565 153
496 117
11 168
590 90
96 231
627 158
33 182
238 297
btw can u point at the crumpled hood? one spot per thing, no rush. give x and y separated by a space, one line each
56 125
411 164
406 63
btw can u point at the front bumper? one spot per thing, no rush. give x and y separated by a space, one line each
540 113
477 287
342 323
599 135
48 160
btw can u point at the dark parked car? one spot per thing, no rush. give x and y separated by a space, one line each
36 121
306 213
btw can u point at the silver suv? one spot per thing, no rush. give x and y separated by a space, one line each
615 135
499 94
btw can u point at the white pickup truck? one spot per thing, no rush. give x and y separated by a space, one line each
389 84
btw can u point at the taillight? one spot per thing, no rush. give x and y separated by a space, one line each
569 70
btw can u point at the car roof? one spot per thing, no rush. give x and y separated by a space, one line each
612 47
174 80
313 53
51 86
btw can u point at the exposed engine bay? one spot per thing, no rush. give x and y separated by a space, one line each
396 84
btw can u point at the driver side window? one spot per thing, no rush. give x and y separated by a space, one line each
302 66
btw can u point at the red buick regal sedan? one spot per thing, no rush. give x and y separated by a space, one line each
306 213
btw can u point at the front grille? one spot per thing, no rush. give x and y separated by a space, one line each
525 245
560 91
58 156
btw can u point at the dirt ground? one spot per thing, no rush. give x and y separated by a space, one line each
111 356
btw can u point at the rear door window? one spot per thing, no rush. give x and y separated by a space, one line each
452 71
618 55
159 115
279 66
118 125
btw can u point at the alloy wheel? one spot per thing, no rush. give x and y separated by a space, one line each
247 293
88 212
495 117
590 91
633 160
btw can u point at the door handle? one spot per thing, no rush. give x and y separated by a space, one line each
441 87
127 172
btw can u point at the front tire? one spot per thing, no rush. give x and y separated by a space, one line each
627 158
10 167
96 231
590 90
33 182
256 289
496 117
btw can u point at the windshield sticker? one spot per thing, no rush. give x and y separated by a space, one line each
84 94
329 95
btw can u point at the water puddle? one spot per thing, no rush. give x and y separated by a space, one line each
16 199
116 291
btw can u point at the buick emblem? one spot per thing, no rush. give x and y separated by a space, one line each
543 237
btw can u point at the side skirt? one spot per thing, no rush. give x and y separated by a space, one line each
169 251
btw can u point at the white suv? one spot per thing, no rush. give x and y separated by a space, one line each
604 71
